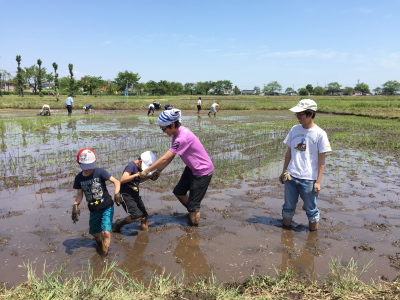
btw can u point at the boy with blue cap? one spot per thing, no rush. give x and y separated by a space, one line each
199 168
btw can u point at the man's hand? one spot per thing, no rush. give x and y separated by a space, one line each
284 176
118 198
75 213
144 174
155 176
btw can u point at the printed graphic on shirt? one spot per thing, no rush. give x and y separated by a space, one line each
176 145
301 146
93 191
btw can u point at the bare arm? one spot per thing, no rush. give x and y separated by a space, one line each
162 162
79 197
117 184
127 176
321 168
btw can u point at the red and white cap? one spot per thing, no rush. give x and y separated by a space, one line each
86 158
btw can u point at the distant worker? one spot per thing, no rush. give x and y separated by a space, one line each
88 108
168 107
213 109
157 105
150 109
45 110
199 105
69 102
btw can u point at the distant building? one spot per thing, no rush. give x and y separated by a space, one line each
357 93
248 92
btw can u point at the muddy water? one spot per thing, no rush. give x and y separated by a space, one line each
241 232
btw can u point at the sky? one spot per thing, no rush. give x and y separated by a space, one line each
250 43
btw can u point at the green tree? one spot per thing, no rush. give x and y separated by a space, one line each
203 88
377 90
56 84
221 86
309 88
175 88
126 78
19 78
111 88
272 87
64 83
289 91
89 83
188 88
391 87
303 92
39 76
7 78
71 80
319 90
362 87
236 90
257 89
333 87
348 90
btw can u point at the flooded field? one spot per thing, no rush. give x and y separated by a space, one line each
240 232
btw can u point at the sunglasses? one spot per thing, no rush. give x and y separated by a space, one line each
299 114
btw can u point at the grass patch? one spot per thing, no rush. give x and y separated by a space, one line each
114 283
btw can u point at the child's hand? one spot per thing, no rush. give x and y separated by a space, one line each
75 213
155 176
118 199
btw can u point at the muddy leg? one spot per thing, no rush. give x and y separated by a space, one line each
313 226
287 222
145 223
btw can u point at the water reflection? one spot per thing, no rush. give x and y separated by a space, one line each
71 125
300 261
188 254
134 261
199 121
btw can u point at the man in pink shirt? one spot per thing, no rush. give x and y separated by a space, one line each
198 171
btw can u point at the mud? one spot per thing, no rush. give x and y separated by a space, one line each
240 232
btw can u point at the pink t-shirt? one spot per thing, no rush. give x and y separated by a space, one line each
186 144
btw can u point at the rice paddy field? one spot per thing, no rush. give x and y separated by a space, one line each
240 232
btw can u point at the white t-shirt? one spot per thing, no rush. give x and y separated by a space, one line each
305 145
199 102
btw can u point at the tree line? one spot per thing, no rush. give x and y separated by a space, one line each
33 78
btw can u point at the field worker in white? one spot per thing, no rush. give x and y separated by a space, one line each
304 164
213 109
45 110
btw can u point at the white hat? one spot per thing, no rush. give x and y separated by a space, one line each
304 105
86 159
168 117
148 158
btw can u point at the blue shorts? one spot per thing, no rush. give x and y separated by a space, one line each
302 188
101 220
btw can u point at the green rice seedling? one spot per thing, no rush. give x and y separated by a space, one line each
347 276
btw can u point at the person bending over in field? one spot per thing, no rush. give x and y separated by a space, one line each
199 168
131 200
